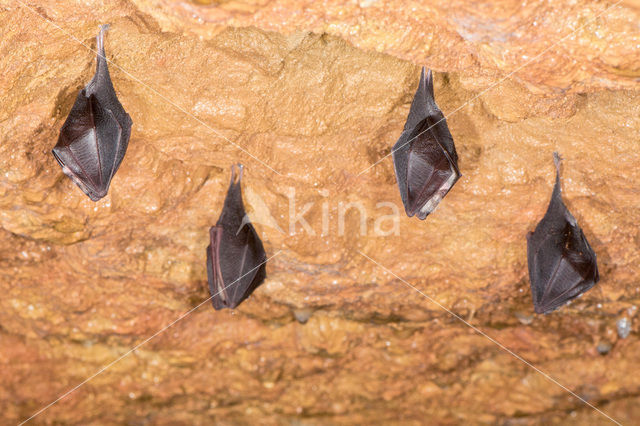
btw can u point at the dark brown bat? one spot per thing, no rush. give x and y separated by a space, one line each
425 158
236 260
562 264
94 138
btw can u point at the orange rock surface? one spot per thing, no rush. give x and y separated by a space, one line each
310 97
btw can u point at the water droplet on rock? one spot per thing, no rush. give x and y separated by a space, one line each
302 315
603 347
524 318
624 327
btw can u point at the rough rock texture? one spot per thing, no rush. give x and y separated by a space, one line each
577 45
330 337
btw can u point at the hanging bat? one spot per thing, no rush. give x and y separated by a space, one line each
562 265
236 260
425 158
95 135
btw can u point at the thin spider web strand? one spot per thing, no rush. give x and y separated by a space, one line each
130 351
393 150
500 345
169 101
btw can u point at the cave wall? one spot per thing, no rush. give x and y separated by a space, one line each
310 97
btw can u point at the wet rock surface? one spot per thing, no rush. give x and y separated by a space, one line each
309 97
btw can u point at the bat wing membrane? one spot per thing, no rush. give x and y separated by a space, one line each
425 158
94 138
236 257
562 264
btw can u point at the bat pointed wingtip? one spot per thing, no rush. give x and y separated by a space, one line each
542 308
414 210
